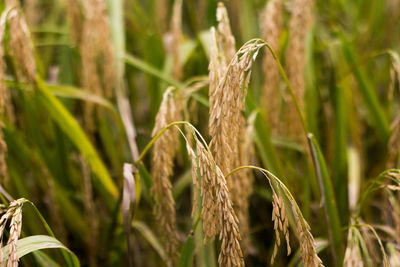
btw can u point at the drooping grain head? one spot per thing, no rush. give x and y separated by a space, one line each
227 94
225 37
227 103
176 31
165 149
97 56
271 24
299 25
21 45
217 211
15 231
162 14
281 224
13 212
352 255
75 20
307 243
32 12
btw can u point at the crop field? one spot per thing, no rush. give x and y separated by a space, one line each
200 133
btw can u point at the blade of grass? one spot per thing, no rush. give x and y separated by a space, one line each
38 242
72 129
147 68
368 93
329 202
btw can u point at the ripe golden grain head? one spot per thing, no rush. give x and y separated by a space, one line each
307 243
75 20
164 152
22 50
176 31
217 211
299 25
13 212
281 224
271 25
96 51
225 37
228 88
352 255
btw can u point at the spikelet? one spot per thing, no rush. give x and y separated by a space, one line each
21 44
217 211
97 56
300 23
165 149
281 224
307 243
14 212
271 28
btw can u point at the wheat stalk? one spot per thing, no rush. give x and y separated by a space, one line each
271 28
165 149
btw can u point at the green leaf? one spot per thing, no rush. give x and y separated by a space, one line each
147 68
329 202
263 141
37 242
72 129
78 93
368 93
150 237
186 259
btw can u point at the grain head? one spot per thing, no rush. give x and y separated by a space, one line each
14 214
281 224
75 20
225 37
217 210
97 56
352 255
176 30
271 25
307 243
299 25
165 149
22 49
